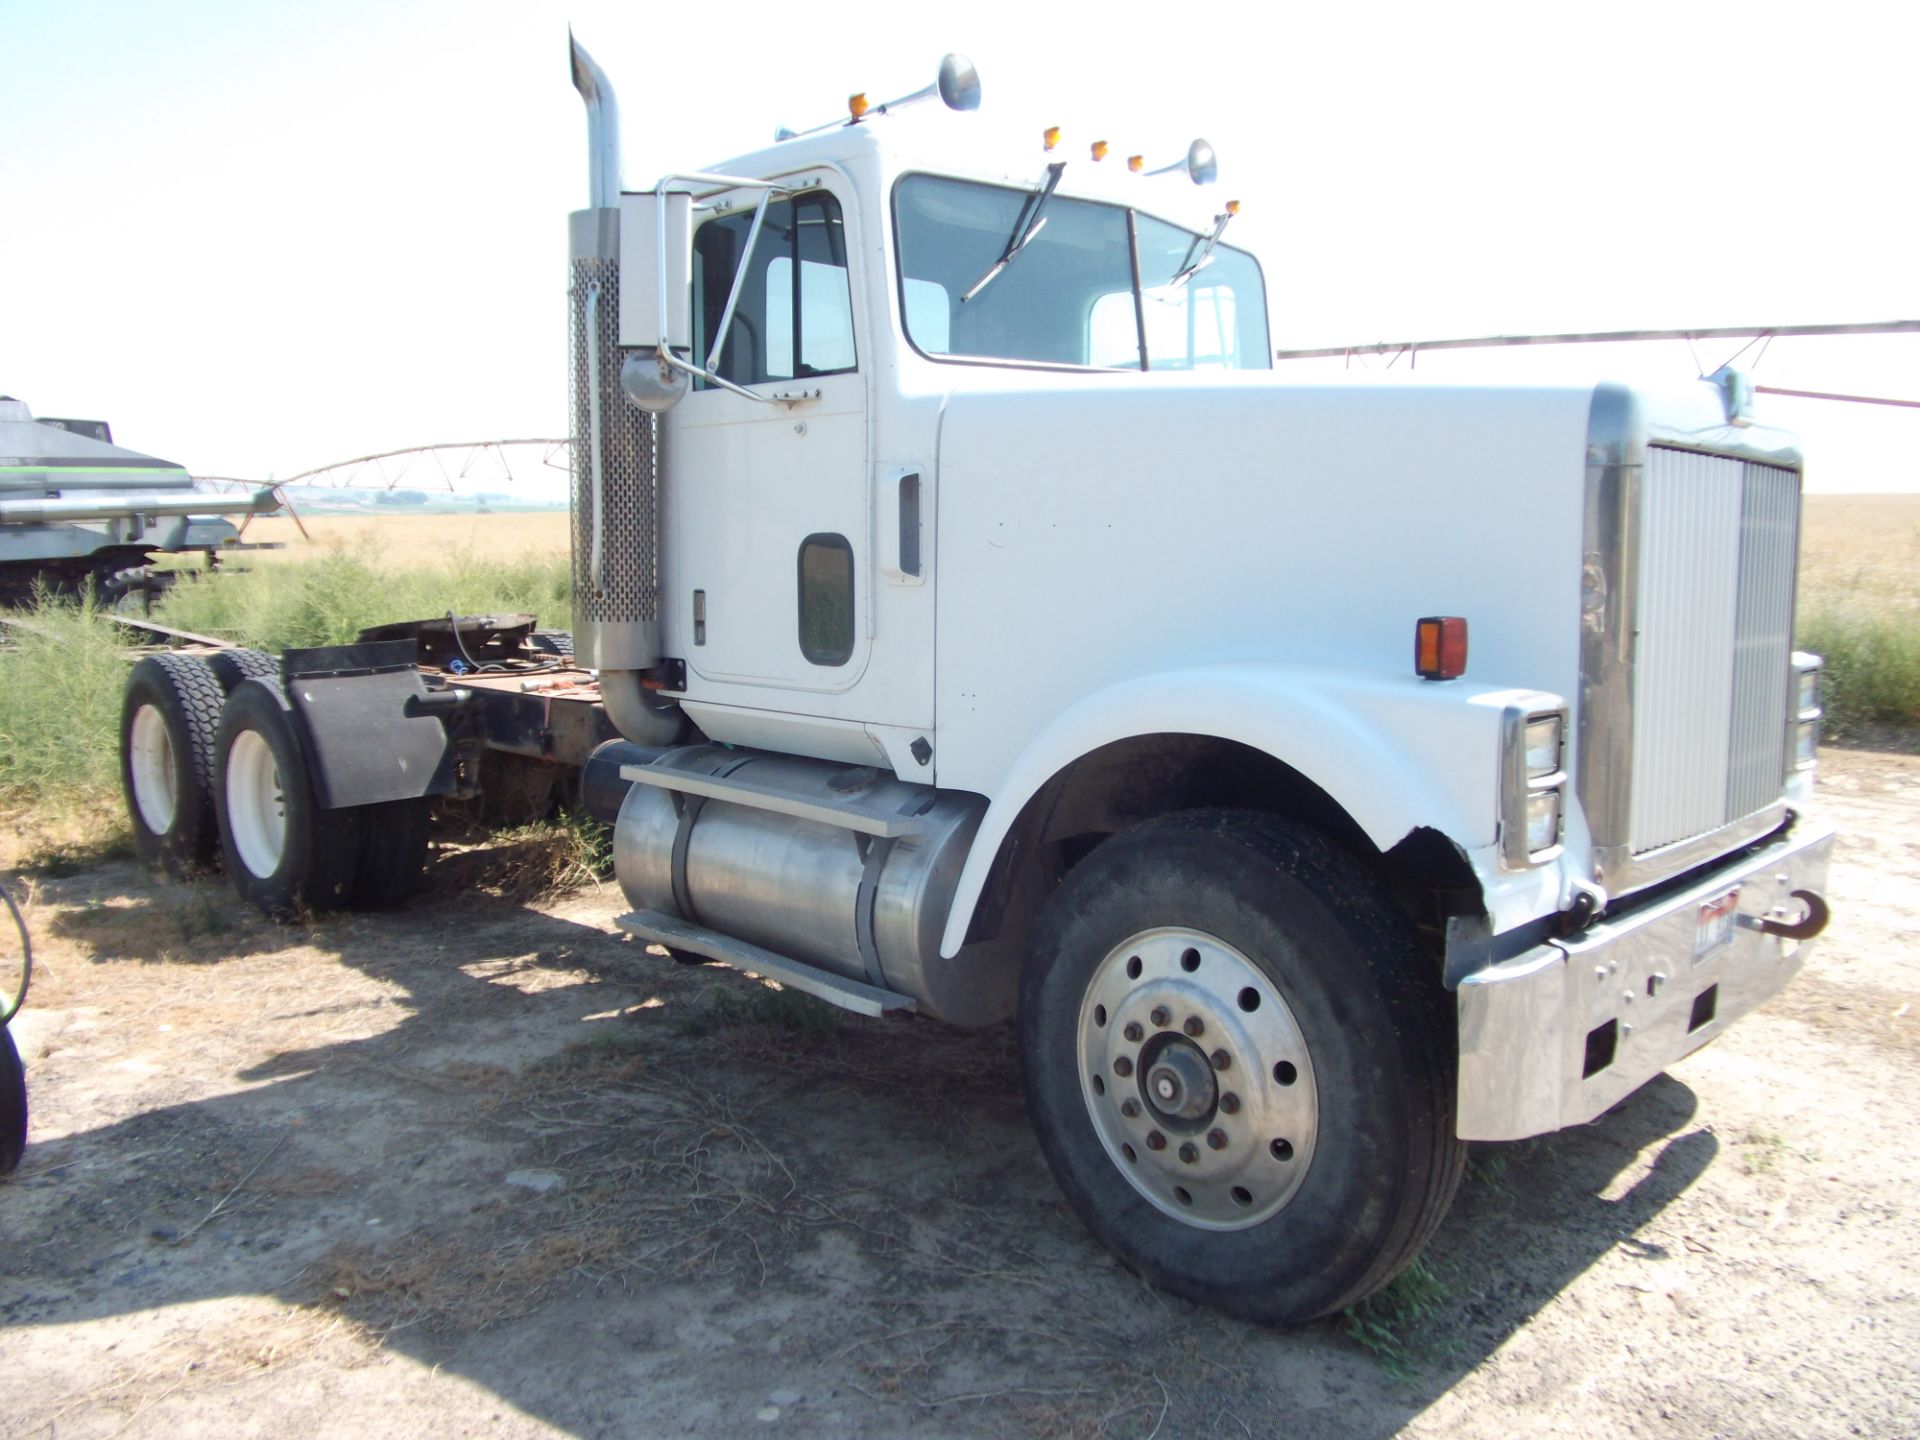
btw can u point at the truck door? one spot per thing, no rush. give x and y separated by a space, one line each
769 502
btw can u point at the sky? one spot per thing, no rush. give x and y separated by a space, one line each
261 237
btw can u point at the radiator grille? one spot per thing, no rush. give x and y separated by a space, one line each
1714 620
625 590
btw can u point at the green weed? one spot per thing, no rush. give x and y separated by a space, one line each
344 588
798 1014
1872 649
1393 1325
62 680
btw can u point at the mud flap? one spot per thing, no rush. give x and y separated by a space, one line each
372 730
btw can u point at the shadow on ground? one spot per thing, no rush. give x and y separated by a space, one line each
627 1196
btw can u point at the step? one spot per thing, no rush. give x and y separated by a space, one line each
841 814
678 934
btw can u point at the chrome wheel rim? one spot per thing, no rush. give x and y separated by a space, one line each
156 791
1197 1079
256 807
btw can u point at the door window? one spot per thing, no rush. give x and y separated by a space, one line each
795 315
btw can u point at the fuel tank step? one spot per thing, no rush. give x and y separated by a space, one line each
671 930
847 814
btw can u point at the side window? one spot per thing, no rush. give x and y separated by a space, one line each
826 599
795 314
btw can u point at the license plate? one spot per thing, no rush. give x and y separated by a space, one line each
1714 930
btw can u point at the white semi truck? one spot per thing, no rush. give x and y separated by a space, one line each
1320 776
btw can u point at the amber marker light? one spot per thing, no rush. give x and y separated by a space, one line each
1233 207
1098 150
1136 163
1440 647
857 106
1051 136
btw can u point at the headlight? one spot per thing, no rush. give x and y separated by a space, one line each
1544 736
1543 821
1808 697
1803 726
1806 743
1533 776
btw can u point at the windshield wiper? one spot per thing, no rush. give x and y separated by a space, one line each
1032 218
1204 258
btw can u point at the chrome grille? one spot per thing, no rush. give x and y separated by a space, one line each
624 595
1714 617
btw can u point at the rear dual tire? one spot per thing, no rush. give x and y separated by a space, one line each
285 853
169 734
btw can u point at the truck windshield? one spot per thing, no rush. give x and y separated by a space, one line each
1070 297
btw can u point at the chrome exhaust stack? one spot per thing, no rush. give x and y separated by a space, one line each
616 447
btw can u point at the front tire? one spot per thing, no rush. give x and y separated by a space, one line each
1240 1063
283 852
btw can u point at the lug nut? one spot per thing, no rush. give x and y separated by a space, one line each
1156 1141
1229 1104
1133 1031
1129 1108
1188 1154
1221 1060
1216 1139
1195 1026
1161 1017
1123 1067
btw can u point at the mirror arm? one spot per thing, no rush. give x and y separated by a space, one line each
739 281
725 384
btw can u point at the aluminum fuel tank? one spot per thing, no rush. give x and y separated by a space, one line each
864 907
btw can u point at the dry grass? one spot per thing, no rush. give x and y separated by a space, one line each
524 863
408 540
200 1360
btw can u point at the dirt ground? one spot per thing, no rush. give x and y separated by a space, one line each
484 1167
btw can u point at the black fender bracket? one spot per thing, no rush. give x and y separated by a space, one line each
373 731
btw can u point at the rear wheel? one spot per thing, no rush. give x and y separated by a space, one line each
230 667
1240 1063
169 726
283 852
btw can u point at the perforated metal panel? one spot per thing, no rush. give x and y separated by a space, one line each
1714 622
616 587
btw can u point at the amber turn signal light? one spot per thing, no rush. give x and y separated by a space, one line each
1440 647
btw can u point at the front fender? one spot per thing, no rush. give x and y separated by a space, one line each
1396 753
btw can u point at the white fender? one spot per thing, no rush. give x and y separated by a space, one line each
1395 753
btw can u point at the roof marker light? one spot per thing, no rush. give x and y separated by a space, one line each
1136 163
1233 207
857 105
1051 137
1440 647
1098 150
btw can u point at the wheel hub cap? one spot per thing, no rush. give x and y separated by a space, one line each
150 753
1180 1083
1197 1079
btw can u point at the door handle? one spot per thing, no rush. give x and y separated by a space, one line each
901 529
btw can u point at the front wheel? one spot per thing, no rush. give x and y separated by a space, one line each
1240 1062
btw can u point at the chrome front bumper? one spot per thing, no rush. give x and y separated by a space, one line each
1557 1035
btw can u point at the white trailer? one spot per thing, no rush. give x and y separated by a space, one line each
1320 776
